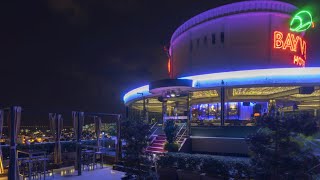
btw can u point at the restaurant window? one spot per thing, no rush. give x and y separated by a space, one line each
213 38
222 37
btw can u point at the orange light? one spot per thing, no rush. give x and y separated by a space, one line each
256 114
169 66
313 25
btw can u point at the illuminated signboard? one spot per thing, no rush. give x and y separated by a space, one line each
301 21
294 43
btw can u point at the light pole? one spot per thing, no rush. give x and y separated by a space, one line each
144 110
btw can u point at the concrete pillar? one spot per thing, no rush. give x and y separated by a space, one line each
189 114
144 110
222 101
164 112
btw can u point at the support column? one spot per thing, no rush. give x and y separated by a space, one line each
208 111
222 101
119 143
164 112
189 114
127 112
144 110
79 144
14 125
12 159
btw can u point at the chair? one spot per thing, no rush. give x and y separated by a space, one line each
44 168
101 152
28 169
100 157
88 158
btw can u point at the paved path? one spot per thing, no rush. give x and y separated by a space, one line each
98 174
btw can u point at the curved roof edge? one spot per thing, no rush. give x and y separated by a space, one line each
275 76
235 8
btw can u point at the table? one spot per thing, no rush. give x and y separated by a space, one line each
34 154
97 151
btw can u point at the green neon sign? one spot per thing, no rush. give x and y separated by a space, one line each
301 21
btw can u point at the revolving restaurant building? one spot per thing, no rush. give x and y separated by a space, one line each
229 65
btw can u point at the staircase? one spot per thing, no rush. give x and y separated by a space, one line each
158 138
157 144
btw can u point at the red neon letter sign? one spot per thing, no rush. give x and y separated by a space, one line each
303 48
288 43
291 41
278 43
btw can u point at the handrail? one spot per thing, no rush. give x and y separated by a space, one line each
154 130
182 134
152 140
185 139
153 125
184 124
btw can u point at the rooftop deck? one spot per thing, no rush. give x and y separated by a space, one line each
97 174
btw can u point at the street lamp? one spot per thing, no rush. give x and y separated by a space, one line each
144 107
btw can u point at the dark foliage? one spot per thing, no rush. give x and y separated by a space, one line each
171 147
135 133
170 130
281 149
214 166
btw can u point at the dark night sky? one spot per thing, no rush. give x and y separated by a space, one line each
64 55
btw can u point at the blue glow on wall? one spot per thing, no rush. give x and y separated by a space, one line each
265 77
275 76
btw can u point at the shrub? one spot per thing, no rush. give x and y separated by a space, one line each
171 147
217 166
283 147
170 130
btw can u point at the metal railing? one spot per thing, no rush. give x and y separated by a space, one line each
154 130
180 137
183 125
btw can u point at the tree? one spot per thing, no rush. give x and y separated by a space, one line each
170 130
136 135
280 149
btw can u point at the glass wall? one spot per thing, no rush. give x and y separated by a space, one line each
243 105
236 113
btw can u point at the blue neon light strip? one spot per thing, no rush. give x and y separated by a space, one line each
136 93
280 76
257 77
